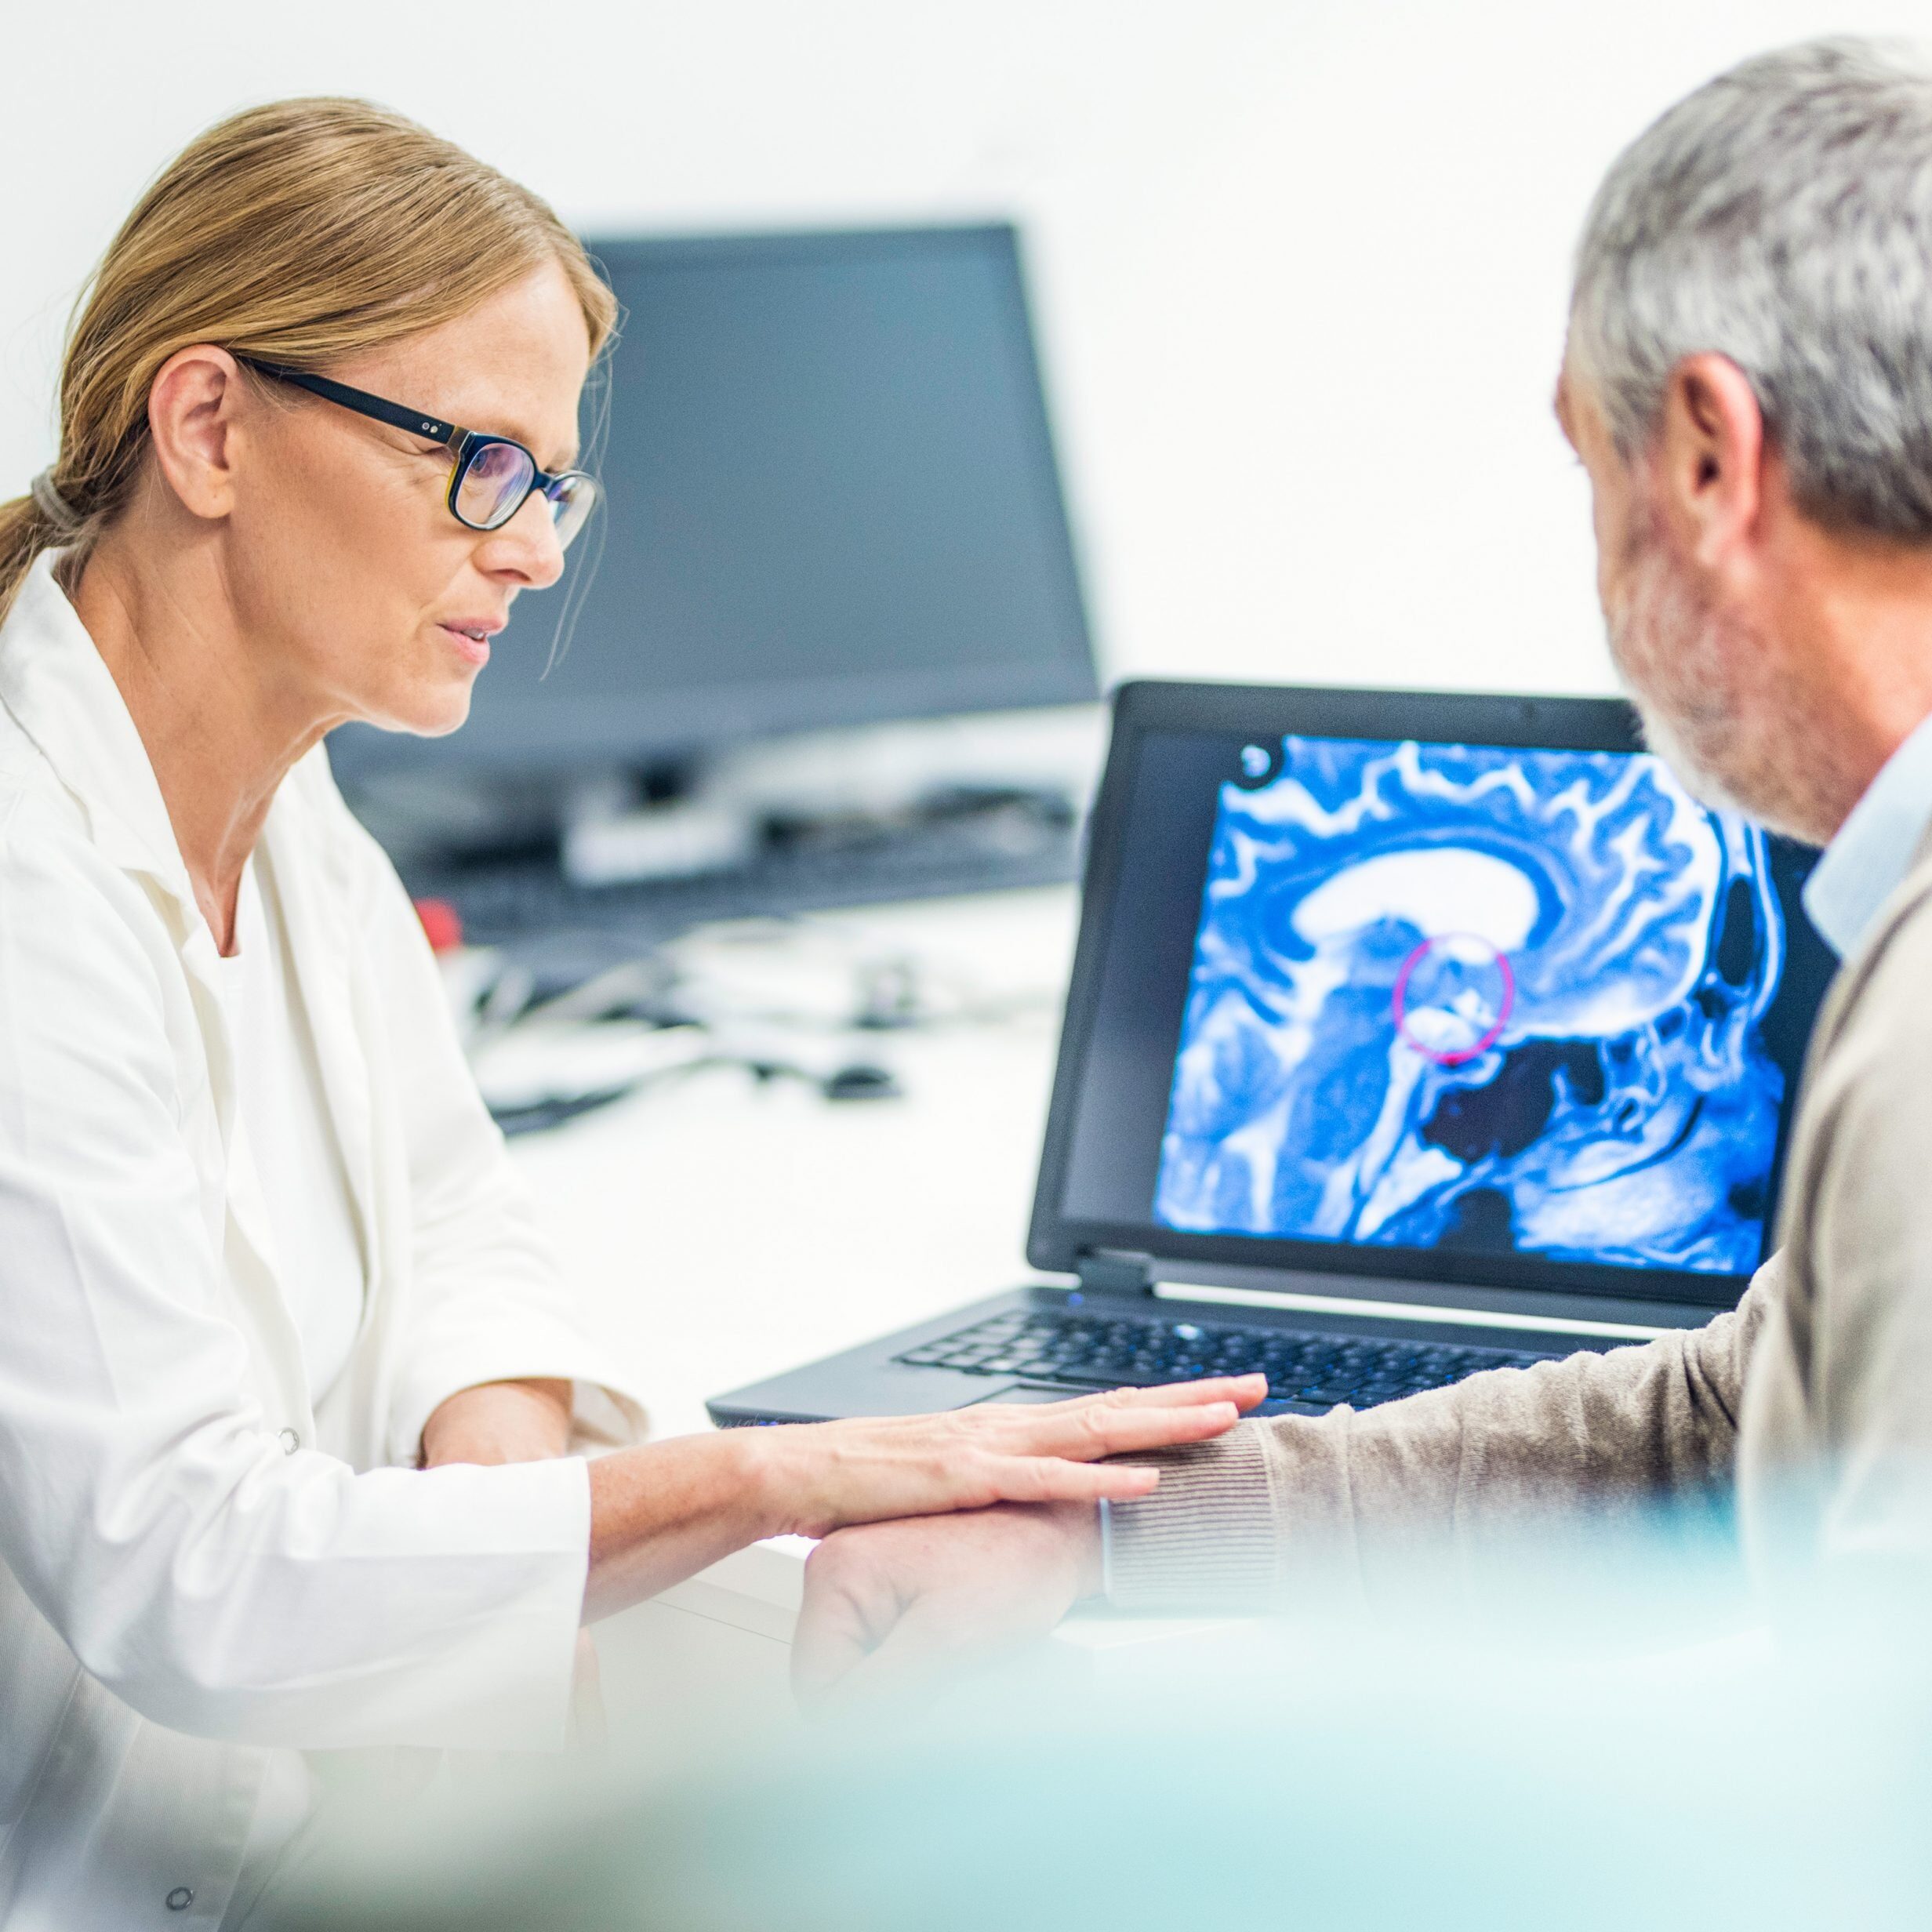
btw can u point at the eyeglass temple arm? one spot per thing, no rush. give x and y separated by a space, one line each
362 402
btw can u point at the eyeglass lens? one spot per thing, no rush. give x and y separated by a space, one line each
497 478
572 501
494 481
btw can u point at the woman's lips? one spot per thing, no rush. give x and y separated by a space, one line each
473 647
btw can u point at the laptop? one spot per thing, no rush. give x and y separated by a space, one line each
1409 1035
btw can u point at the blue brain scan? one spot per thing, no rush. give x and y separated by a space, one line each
1464 997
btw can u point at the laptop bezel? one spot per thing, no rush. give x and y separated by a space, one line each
1057 1242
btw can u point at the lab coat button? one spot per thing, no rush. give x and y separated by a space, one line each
179 1899
290 1442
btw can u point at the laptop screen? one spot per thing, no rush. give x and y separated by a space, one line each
1522 1012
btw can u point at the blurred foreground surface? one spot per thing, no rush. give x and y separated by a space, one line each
1551 1761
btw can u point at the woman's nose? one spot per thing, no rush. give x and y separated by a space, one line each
526 547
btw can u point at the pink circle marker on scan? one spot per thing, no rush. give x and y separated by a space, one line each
1489 955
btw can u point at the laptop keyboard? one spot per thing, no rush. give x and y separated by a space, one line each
1306 1370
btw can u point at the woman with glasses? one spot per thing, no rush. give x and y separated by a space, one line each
292 1409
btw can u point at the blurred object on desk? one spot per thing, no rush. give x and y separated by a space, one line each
807 999
563 932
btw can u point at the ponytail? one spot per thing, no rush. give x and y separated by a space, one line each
42 520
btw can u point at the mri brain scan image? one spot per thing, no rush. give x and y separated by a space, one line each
1464 997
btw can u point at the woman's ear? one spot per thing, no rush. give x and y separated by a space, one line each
192 406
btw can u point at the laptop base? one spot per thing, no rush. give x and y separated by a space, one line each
1171 1339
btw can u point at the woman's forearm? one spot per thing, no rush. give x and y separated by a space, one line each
663 1512
658 1513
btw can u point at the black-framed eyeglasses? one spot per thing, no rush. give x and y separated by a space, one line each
493 476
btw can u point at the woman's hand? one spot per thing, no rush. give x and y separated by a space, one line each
661 1512
500 1421
819 1477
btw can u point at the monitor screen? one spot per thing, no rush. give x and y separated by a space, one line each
1509 1003
1460 995
831 496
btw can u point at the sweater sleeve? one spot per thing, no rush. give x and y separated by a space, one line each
1367 1500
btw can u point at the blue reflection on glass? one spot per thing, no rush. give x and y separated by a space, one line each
1450 996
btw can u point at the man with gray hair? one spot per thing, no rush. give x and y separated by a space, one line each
1748 381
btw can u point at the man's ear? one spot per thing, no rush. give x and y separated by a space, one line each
1709 458
192 406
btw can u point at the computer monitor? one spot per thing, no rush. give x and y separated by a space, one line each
1439 987
831 498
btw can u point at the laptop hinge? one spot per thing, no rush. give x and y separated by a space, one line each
1114 1271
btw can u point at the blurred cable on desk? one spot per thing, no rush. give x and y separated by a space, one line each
798 1001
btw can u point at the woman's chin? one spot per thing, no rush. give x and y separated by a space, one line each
447 718
427 713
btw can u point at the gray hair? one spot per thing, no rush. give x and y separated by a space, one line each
1782 216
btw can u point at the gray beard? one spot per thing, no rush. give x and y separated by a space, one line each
1705 785
1731 749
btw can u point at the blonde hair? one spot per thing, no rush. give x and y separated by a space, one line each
301 232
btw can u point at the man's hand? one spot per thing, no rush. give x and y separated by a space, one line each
889 1605
500 1421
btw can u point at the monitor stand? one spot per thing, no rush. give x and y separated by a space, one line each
617 832
572 877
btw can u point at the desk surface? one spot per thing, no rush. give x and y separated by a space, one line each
719 1229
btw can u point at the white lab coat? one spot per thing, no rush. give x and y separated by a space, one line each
198 1567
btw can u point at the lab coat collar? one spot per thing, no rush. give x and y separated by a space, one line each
52 679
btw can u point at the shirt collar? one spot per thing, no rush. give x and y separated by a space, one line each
62 695
1875 848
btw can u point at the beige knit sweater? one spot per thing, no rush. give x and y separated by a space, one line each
1811 1403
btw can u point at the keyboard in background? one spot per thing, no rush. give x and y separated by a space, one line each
563 933
1306 1372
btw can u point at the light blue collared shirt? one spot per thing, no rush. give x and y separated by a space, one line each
1868 860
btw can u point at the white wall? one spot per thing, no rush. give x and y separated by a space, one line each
1301 263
